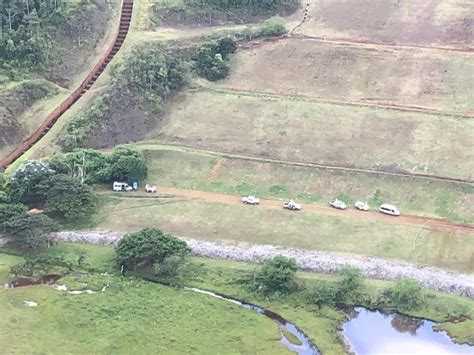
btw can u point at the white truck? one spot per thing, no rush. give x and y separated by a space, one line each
250 200
338 204
121 186
362 206
150 188
292 205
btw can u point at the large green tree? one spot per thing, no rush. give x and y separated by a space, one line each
68 197
148 247
29 231
128 164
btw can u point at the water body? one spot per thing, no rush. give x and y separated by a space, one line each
306 347
372 332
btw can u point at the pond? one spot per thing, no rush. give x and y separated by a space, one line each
372 332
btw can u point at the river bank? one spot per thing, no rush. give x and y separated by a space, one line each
316 261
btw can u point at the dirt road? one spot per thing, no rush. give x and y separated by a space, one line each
423 222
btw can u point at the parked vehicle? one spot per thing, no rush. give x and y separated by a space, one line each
389 209
338 204
150 188
362 206
250 200
292 205
121 186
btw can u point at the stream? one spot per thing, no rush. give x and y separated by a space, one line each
306 347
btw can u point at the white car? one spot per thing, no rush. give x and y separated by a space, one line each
338 204
250 200
292 205
389 209
363 206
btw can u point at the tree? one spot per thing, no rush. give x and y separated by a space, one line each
29 230
148 247
10 210
69 198
88 165
127 163
406 294
277 275
349 284
212 59
25 179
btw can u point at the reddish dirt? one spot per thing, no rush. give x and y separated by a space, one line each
215 170
423 222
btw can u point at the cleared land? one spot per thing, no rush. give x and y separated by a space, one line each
420 22
362 73
258 224
206 171
320 132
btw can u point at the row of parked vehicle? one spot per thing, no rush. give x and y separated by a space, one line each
336 203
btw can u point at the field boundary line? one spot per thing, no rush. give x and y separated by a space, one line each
194 150
379 105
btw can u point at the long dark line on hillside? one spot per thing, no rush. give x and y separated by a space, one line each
52 118
341 167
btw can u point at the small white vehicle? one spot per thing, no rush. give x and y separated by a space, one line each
389 209
121 186
150 188
338 204
292 205
362 206
250 200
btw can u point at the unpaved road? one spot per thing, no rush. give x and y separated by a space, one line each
423 222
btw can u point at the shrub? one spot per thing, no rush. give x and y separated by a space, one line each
274 26
406 294
323 294
147 247
277 275
212 59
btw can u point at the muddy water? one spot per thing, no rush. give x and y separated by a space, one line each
306 347
21 282
371 332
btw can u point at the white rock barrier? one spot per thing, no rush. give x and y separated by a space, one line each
316 261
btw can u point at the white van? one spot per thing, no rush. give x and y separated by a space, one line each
121 186
389 209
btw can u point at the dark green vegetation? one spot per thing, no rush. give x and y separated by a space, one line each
149 247
148 75
211 12
34 34
60 187
130 306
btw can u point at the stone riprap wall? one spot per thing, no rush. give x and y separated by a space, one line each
317 261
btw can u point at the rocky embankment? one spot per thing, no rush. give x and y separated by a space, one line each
317 261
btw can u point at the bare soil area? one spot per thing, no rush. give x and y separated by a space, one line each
420 22
361 73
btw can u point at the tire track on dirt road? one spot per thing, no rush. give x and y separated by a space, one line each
423 222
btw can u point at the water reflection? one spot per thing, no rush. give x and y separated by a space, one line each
371 332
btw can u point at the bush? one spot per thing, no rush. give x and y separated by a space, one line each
406 294
276 276
127 164
69 198
323 294
212 59
148 247
274 26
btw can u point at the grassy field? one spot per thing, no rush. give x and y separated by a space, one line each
356 73
130 314
439 22
129 310
200 170
318 132
211 220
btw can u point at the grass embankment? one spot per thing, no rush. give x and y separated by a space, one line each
267 225
233 174
315 131
130 310
130 315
